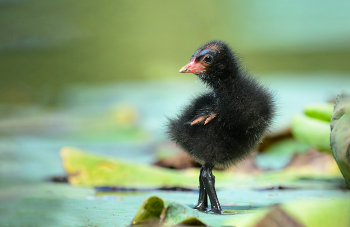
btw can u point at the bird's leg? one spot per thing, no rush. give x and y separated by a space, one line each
207 119
203 197
209 184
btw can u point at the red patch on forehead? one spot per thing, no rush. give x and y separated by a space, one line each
213 47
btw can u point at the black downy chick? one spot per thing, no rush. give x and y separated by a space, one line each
222 126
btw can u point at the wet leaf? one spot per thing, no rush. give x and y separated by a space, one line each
192 221
321 111
311 213
149 211
321 213
312 131
278 217
177 213
89 169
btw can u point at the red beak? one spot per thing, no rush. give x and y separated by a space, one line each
192 67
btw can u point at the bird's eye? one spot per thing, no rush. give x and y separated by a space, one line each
208 59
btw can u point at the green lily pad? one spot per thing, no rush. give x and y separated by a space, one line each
321 111
88 169
312 131
321 213
177 213
192 221
149 211
153 212
278 217
311 213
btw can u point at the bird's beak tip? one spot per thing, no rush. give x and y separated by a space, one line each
183 69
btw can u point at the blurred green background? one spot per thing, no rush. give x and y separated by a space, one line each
45 45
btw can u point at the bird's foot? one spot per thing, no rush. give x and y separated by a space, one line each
216 211
207 119
201 207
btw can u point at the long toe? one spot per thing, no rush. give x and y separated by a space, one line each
201 207
216 211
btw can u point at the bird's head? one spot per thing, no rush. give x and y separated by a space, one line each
213 62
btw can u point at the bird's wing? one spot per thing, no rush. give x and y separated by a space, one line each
205 109
207 118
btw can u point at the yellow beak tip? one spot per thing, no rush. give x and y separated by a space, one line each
183 69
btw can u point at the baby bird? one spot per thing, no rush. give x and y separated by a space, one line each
222 126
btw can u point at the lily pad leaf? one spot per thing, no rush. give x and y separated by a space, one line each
149 212
177 213
278 217
320 213
192 221
94 170
89 169
312 131
321 111
153 212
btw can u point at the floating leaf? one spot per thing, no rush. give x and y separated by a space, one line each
178 213
192 221
88 169
321 213
278 217
149 212
153 212
312 131
311 213
322 111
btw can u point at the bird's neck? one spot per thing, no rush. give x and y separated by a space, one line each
227 82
